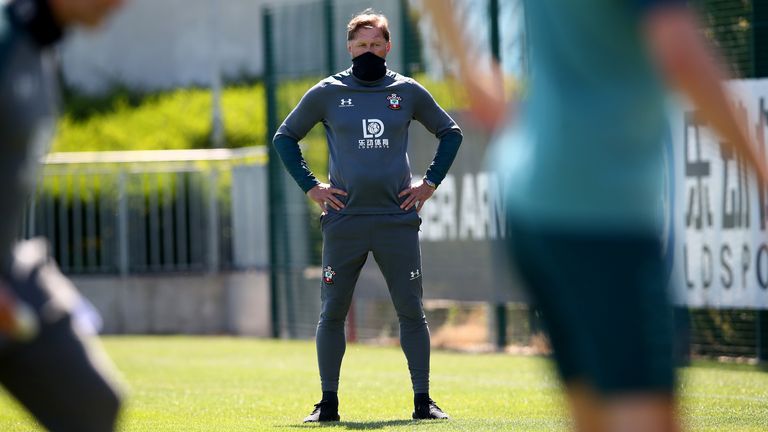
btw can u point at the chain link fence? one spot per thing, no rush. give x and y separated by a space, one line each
148 212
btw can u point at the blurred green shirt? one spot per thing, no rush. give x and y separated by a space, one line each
587 150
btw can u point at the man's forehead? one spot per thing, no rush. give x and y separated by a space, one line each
368 33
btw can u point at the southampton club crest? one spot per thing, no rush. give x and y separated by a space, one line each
328 275
394 101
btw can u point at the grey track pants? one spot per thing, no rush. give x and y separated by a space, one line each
394 242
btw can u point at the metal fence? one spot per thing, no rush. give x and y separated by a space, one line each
294 309
739 28
153 211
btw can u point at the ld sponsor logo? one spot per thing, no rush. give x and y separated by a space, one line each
372 128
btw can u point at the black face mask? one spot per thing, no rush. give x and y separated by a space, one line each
369 67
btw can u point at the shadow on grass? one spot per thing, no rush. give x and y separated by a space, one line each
365 425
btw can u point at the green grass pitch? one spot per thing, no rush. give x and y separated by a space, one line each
231 384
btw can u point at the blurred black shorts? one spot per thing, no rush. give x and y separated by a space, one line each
604 301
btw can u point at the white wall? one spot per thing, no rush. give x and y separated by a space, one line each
234 303
159 44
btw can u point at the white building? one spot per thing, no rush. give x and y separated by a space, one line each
161 44
157 44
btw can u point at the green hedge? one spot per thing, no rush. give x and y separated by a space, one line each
181 119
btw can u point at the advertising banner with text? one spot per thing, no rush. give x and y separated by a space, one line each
720 218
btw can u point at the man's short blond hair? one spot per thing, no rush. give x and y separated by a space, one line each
368 18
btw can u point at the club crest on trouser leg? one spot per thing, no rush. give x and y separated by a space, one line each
328 275
394 101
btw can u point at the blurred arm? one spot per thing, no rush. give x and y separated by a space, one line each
688 64
485 88
90 13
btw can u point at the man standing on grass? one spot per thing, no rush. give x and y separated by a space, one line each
370 204
46 362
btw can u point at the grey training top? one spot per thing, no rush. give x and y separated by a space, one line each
28 102
366 126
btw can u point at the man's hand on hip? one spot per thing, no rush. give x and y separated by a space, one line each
416 195
325 196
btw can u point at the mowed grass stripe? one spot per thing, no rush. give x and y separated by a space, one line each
180 383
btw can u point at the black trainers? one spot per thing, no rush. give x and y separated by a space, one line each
324 412
428 410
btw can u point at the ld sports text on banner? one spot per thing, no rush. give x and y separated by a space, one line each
721 217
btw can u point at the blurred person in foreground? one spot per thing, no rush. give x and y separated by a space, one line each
583 169
47 361
370 204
